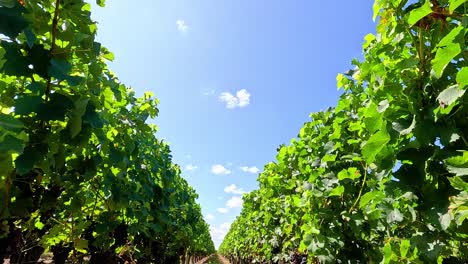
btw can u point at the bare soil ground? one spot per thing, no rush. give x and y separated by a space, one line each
223 260
204 260
214 259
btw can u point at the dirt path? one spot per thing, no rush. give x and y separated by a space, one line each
221 260
203 260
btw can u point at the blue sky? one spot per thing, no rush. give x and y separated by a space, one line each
235 79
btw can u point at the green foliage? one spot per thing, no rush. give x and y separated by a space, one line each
382 177
81 171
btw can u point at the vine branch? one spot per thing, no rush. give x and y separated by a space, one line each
360 191
52 48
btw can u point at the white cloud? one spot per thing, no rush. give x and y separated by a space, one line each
233 189
181 25
230 100
219 169
209 217
220 197
241 99
219 232
235 201
244 98
209 93
253 169
222 210
191 167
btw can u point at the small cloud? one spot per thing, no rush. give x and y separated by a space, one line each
181 25
235 201
244 98
220 197
241 99
219 169
191 167
222 210
219 232
233 189
209 217
209 93
253 169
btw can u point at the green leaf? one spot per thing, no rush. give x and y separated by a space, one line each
15 63
448 136
372 118
25 105
462 77
350 173
59 69
108 56
11 143
419 13
458 165
75 122
341 81
445 220
57 107
404 247
447 49
8 3
2 61
26 161
12 21
453 4
342 104
394 216
10 123
337 191
403 127
38 224
374 145
388 253
370 196
458 183
81 245
30 37
74 80
383 105
101 3
36 87
311 230
376 9
450 95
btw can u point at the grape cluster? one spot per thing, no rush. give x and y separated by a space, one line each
297 258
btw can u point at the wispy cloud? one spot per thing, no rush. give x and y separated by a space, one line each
233 189
209 217
235 201
209 92
181 25
218 232
253 169
191 167
222 210
241 99
219 169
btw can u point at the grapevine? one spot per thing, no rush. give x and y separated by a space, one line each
382 177
82 174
